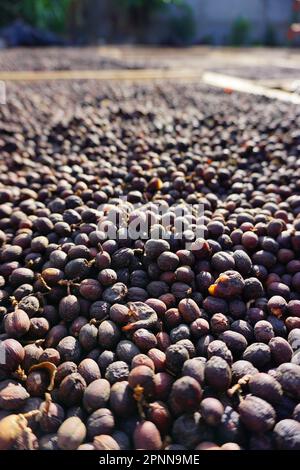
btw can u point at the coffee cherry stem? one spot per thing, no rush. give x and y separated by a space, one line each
138 395
237 388
48 400
30 414
14 302
19 374
42 280
95 322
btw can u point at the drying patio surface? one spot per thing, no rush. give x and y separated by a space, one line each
270 72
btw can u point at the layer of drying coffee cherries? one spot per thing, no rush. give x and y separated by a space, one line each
147 344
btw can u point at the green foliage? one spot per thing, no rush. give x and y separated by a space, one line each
47 14
240 32
149 4
9 10
207 39
145 8
139 13
183 26
270 36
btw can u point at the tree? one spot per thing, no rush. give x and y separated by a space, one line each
45 14
139 12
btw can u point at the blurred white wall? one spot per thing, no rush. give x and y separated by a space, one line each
213 22
215 18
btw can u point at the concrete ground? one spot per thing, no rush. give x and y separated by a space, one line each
246 69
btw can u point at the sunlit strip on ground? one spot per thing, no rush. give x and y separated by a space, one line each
247 86
146 74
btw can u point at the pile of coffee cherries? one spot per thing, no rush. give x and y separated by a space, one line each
72 58
114 342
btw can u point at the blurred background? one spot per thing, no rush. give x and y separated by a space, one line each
153 22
